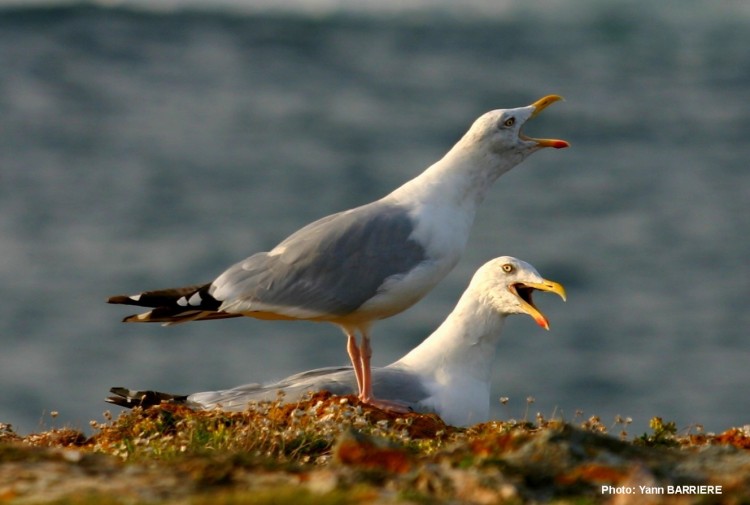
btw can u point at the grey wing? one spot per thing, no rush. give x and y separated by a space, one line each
337 380
391 383
328 268
399 384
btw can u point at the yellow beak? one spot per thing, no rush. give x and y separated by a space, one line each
539 106
523 291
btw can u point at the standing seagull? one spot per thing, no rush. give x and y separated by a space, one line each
449 373
368 263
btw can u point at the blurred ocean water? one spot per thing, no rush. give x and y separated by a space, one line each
149 148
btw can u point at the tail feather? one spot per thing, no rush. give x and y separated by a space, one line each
171 306
129 398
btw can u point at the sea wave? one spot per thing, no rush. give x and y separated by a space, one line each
575 11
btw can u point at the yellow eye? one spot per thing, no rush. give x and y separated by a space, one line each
507 268
510 122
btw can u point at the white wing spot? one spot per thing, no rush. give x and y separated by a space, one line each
195 300
182 302
135 298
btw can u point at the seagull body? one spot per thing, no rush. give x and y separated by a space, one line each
448 373
368 263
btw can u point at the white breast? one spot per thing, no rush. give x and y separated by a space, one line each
443 231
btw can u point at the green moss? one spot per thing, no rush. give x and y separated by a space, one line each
280 496
272 496
330 450
87 499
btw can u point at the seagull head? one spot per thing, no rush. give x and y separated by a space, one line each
509 285
501 130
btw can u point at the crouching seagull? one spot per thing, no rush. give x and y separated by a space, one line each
448 373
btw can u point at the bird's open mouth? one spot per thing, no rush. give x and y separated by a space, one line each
524 291
539 106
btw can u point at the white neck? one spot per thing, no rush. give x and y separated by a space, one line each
461 178
464 344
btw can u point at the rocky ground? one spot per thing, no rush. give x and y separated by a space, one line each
332 450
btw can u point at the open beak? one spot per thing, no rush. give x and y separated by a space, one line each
524 291
539 106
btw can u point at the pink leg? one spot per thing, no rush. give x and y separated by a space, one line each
366 353
356 357
365 387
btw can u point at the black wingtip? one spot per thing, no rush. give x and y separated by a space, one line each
129 399
133 318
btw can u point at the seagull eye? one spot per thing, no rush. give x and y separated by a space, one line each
509 122
508 268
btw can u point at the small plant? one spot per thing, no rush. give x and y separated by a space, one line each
530 400
624 422
664 434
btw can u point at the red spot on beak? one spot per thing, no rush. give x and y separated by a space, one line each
542 322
